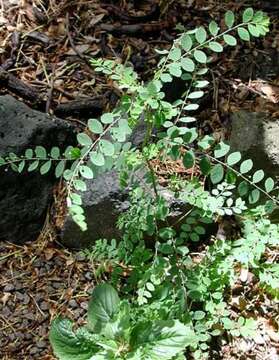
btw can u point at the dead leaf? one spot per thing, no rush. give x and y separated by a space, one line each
5 298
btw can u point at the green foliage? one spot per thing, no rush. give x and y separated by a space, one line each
119 336
173 301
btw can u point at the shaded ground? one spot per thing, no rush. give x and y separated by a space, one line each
47 45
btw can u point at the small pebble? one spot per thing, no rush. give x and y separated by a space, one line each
8 288
84 305
73 304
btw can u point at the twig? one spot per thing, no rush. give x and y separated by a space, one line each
79 54
50 92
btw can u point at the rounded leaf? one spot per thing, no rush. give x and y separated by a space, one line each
248 15
230 40
106 147
84 140
107 118
200 56
246 166
205 165
217 174
234 158
97 158
229 18
269 184
213 28
86 172
103 305
201 35
254 196
95 126
187 64
186 42
45 168
175 54
258 176
243 34
189 159
215 46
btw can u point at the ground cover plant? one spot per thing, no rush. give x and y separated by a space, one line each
173 305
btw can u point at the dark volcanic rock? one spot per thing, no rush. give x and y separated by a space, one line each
24 197
103 202
257 137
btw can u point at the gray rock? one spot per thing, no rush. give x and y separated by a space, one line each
257 137
103 202
25 197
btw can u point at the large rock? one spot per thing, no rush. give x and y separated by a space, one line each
257 137
103 202
25 197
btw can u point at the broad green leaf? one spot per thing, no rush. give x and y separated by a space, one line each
215 46
217 174
102 307
45 168
59 169
70 345
175 54
187 64
86 172
258 176
229 18
200 56
186 42
243 34
95 126
247 15
201 35
213 28
234 158
269 184
230 40
161 340
246 166
189 159
221 150
106 147
97 158
84 140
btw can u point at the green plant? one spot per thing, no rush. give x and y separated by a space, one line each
112 333
164 279
105 144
